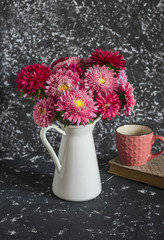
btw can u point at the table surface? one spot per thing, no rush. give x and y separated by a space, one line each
125 209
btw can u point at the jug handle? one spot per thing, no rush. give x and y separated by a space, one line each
49 147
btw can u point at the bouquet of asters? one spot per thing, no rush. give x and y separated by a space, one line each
77 90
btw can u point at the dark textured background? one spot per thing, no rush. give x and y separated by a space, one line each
41 31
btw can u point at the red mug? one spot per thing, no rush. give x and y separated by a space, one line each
134 143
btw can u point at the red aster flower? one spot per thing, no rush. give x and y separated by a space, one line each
57 61
109 104
75 68
85 63
113 58
64 63
32 78
125 92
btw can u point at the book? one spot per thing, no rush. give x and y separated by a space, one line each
151 173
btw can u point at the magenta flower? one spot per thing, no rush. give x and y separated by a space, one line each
77 90
122 77
32 78
113 58
78 107
63 80
109 104
44 112
100 79
57 61
126 92
85 63
64 63
76 68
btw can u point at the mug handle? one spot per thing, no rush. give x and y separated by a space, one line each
156 137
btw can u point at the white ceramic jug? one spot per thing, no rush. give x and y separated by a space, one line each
76 175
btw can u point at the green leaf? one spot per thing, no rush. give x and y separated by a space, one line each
122 98
21 94
38 92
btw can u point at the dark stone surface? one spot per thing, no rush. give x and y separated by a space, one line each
124 210
41 31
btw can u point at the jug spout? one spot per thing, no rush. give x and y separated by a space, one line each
49 147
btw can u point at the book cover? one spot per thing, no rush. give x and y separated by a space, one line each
151 173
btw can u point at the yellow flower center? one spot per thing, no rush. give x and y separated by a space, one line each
79 103
64 87
42 111
107 105
101 80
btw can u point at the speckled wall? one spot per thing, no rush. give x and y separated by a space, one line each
41 31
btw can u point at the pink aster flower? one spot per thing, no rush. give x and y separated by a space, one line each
109 105
44 112
126 94
65 63
63 80
78 107
113 58
122 77
32 78
100 79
